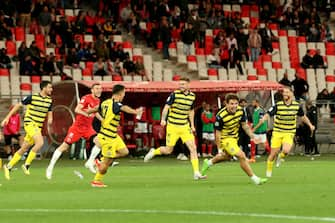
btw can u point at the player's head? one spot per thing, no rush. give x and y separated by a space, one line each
243 103
119 92
96 89
46 87
184 84
207 107
287 93
231 103
255 103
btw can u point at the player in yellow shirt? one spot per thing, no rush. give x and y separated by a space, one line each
284 127
38 108
112 145
228 121
179 113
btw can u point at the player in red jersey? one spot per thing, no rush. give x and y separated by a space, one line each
82 127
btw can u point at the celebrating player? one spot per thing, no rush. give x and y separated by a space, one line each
111 143
81 128
228 121
38 108
284 127
179 112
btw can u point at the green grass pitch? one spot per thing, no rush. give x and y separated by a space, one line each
163 190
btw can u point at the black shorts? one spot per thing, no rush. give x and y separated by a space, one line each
8 139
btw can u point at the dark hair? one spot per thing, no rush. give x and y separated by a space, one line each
185 79
231 97
288 87
117 88
43 84
95 84
242 100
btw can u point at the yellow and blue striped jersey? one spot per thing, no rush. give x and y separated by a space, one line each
229 124
180 106
37 108
285 116
111 113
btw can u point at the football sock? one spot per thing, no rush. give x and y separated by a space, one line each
269 166
157 151
210 149
30 158
94 153
15 160
195 165
98 176
203 148
55 157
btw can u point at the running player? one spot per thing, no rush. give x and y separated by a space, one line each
111 143
38 108
284 127
81 128
228 121
180 124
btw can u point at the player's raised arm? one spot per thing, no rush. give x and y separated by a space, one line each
127 109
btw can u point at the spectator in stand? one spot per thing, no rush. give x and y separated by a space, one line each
125 13
208 120
120 54
244 139
5 31
34 27
235 59
23 51
83 54
49 65
64 29
175 17
242 39
90 21
231 40
314 35
100 68
38 8
267 14
285 81
255 44
117 67
24 9
305 28
300 87
323 98
165 36
72 59
101 48
80 23
220 38
108 28
153 36
224 54
35 53
267 38
27 67
195 21
175 34
307 60
9 10
188 39
12 131
317 60
163 9
212 60
128 66
140 70
4 59
44 20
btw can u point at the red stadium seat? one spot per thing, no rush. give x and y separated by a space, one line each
159 45
89 65
116 78
176 77
330 78
35 79
301 39
277 65
199 51
19 34
191 58
252 77
127 45
275 45
25 87
4 72
212 72
10 48
173 45
273 26
262 72
87 72
258 64
266 58
282 32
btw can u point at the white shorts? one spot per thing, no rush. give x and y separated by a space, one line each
261 137
141 127
208 136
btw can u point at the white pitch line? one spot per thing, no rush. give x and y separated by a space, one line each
172 212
